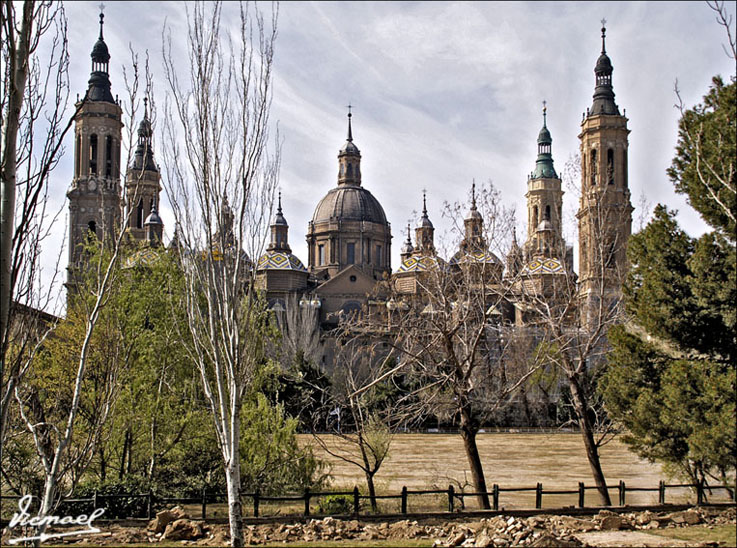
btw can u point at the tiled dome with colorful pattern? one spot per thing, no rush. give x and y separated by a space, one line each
543 266
422 263
145 257
483 257
278 260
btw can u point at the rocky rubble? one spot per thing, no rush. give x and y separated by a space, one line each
536 531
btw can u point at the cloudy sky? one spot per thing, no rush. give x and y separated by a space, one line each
445 92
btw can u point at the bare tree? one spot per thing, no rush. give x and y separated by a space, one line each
33 98
446 323
221 179
363 416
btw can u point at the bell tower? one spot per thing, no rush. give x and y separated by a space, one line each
544 202
142 181
94 195
605 212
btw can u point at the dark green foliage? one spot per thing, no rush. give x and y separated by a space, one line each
704 165
116 497
671 374
334 505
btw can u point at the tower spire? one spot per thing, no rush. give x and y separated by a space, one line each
350 132
99 83
604 91
544 164
603 36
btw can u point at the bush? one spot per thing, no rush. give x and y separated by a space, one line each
116 507
335 504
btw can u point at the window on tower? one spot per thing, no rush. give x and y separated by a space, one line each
378 255
547 212
593 167
108 156
534 216
351 252
350 170
93 154
320 254
139 214
610 165
79 155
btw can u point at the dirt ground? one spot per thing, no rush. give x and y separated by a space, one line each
606 529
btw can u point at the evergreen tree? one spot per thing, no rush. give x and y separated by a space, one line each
671 378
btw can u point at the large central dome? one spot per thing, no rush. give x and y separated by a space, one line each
349 203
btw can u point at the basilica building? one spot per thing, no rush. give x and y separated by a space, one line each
349 237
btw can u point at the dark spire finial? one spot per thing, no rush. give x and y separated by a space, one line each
350 132
424 202
102 17
545 113
145 108
278 208
473 195
603 36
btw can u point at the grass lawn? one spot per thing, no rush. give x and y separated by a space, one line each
726 535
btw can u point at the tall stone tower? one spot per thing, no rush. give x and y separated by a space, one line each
605 212
94 195
142 180
544 203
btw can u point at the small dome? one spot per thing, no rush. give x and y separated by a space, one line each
144 128
279 260
603 64
349 149
100 53
544 136
153 218
349 203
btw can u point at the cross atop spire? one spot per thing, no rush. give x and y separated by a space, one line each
545 113
102 17
603 36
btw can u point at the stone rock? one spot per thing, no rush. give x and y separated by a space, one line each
576 524
164 518
457 539
483 540
689 517
545 541
183 529
611 523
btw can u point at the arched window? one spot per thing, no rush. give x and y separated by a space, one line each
93 154
351 252
79 155
92 229
350 170
610 165
547 212
593 166
139 214
534 216
108 156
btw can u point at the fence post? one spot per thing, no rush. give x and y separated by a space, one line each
539 496
622 491
204 503
451 496
404 499
150 504
307 501
495 496
581 494
699 492
661 492
256 501
356 502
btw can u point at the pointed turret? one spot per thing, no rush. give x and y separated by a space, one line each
99 83
154 226
407 248
604 91
143 158
544 164
425 231
279 231
473 239
349 159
